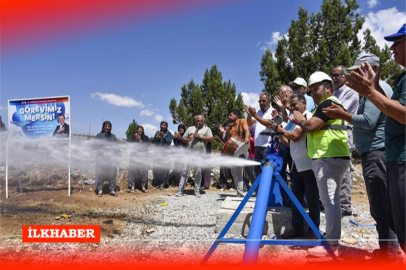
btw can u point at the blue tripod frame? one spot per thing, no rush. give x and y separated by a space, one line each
271 166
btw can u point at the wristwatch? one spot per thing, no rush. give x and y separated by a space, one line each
301 122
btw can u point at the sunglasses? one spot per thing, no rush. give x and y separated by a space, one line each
397 41
336 75
297 87
262 101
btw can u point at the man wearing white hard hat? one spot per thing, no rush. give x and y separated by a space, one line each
366 82
327 147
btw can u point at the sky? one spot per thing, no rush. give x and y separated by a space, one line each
126 60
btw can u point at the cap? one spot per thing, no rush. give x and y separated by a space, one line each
401 32
319 76
372 59
299 81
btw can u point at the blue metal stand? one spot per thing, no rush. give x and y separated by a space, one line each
271 166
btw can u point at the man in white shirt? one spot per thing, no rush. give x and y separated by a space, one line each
261 141
350 100
303 179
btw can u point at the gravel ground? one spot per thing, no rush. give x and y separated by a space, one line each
169 229
184 225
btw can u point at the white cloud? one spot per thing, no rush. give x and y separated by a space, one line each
273 41
117 100
146 112
276 36
158 117
169 118
157 110
382 23
149 129
251 99
259 42
2 108
373 3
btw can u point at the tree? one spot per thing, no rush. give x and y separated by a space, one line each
214 98
269 73
190 104
132 128
314 42
2 125
320 41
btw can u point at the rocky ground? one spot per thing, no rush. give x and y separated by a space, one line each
151 227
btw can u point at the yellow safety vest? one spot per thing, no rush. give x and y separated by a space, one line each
330 140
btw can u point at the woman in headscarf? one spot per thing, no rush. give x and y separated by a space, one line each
106 160
178 135
174 177
162 138
138 173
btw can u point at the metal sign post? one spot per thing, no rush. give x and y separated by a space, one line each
38 119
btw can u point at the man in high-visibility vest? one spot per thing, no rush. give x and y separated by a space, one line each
327 147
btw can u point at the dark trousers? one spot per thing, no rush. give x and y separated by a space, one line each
397 199
225 174
374 171
206 178
284 152
161 177
105 173
138 178
249 175
259 156
304 184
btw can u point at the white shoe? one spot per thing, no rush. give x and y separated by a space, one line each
320 251
179 194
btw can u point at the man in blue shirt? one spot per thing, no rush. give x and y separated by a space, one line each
369 139
366 82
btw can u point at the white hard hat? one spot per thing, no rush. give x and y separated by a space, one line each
319 76
299 81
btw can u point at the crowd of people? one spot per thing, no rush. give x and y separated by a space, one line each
319 134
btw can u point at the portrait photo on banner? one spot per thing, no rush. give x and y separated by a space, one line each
39 119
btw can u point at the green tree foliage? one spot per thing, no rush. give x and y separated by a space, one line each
269 73
314 42
2 125
320 41
214 98
132 128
